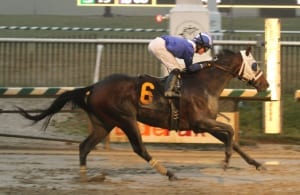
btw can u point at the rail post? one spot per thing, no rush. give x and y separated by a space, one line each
273 121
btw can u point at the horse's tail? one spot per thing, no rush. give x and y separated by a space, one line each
76 96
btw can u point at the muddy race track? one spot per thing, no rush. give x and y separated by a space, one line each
52 168
29 166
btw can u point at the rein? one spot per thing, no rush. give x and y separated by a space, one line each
234 74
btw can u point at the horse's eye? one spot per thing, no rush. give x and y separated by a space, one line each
254 66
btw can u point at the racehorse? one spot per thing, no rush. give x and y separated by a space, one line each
121 101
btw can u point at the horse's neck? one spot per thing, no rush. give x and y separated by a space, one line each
223 81
213 80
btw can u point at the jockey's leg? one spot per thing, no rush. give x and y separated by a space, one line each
171 88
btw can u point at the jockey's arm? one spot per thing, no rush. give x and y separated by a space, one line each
197 66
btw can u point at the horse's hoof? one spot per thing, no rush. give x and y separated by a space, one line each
173 178
261 168
225 165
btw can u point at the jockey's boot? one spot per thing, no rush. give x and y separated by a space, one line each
171 88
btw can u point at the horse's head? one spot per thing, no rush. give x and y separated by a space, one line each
244 66
250 71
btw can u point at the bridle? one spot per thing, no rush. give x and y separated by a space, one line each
239 72
234 73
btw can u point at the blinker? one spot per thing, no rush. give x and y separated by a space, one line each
254 66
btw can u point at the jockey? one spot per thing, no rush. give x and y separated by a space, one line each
167 48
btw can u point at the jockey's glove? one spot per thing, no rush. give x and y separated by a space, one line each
195 67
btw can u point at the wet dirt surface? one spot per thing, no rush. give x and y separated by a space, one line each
53 169
30 166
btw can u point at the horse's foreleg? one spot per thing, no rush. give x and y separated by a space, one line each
134 136
216 127
236 148
228 147
247 158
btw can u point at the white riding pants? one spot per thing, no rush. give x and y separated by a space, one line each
158 47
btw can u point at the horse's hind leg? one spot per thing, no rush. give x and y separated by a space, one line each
131 129
97 134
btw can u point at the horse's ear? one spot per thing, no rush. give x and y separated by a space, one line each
248 50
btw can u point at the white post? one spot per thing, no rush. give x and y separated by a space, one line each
273 116
98 61
95 80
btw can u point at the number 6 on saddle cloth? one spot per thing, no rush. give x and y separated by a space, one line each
152 99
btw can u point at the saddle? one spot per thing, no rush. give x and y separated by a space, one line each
151 96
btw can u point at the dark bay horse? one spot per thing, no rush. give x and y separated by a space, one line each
121 100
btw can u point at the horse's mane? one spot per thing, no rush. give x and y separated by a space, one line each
224 57
225 52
